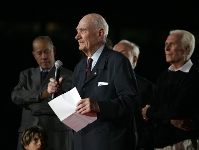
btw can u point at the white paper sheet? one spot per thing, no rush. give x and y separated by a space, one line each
64 107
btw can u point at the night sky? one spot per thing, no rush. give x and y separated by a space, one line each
143 22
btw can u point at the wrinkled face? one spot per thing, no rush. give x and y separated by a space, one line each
44 53
124 49
174 50
35 144
87 36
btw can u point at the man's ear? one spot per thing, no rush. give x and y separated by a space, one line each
54 50
135 59
187 49
101 33
33 54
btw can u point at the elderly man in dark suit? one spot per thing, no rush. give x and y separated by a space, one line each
145 90
107 88
30 94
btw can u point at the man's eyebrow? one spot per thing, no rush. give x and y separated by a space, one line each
81 28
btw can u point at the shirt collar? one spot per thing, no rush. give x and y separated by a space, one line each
96 56
45 70
185 68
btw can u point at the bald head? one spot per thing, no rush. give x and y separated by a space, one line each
92 31
129 49
98 22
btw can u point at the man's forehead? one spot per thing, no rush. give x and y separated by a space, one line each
81 27
85 21
174 36
124 46
82 24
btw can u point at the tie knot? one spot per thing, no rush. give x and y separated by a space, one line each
89 64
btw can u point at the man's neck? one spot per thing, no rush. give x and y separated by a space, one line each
176 66
90 52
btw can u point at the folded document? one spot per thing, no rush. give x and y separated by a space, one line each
64 107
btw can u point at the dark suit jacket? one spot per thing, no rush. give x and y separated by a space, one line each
112 129
27 92
145 129
146 90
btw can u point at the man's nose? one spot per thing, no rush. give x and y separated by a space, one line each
166 48
43 55
77 37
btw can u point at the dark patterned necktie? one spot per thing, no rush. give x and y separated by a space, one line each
88 67
43 76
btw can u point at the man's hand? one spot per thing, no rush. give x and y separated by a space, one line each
54 86
144 112
45 94
87 106
184 124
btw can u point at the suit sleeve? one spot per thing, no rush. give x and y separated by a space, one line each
121 99
67 80
22 96
43 108
28 99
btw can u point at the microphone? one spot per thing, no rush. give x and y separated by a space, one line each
58 64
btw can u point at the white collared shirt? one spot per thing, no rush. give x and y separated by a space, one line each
41 70
185 68
96 56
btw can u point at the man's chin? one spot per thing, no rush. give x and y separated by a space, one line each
81 48
45 67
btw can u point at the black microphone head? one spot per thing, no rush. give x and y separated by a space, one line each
58 64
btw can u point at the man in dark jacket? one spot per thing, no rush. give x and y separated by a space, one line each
107 88
30 94
145 92
176 100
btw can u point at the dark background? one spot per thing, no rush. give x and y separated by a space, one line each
146 23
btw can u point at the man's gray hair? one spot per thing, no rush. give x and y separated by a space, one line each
98 23
43 38
134 48
188 39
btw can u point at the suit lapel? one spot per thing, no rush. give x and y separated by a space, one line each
82 72
100 65
36 77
